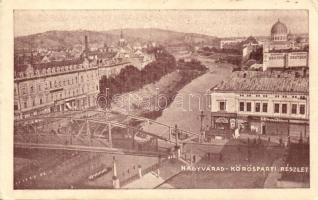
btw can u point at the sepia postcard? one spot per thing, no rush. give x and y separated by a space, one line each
158 101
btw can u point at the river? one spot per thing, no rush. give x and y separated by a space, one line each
185 109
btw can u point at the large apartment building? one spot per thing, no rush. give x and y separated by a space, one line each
55 86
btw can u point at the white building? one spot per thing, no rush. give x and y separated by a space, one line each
263 98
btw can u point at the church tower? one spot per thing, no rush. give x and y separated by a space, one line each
122 41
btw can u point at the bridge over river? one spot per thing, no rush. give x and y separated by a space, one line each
96 133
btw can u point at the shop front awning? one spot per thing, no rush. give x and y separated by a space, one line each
223 114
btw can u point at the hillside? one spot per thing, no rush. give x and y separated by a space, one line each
61 39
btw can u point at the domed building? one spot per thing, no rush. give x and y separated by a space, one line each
280 51
279 32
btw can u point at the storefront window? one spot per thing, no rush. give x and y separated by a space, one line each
294 109
302 109
248 106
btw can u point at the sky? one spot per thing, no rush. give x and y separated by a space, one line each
221 23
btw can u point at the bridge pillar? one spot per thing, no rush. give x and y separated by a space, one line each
178 152
157 144
159 163
139 171
88 132
133 139
70 132
116 183
110 135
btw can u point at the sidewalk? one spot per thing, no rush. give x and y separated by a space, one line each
168 169
271 180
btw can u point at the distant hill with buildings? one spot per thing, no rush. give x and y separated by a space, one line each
62 39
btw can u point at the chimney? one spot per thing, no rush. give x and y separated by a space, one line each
86 43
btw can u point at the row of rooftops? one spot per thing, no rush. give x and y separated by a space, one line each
255 82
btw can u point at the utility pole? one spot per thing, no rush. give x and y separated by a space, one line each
176 131
202 116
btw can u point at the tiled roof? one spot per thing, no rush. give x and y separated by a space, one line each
40 66
268 84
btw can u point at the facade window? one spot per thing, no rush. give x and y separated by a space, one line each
257 107
242 106
222 105
248 107
50 84
276 108
284 108
25 104
23 90
33 103
302 109
265 107
41 101
31 89
294 109
15 107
